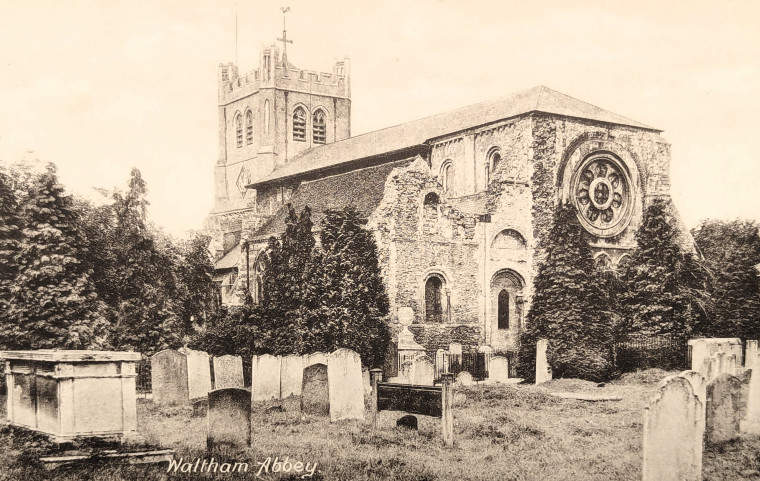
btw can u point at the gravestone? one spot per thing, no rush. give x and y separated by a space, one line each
464 378
344 376
673 430
455 349
228 372
315 397
750 354
200 407
698 384
198 374
422 371
407 422
168 375
723 409
229 418
708 368
543 371
404 372
498 371
315 358
265 384
366 382
699 353
291 376
751 423
440 359
731 364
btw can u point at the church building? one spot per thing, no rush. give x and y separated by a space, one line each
459 202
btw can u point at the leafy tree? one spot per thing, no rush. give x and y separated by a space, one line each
52 303
569 307
197 294
345 303
666 286
731 251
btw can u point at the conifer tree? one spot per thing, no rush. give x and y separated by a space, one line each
53 302
569 307
10 238
666 286
345 304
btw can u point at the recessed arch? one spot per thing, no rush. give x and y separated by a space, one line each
508 239
446 174
603 261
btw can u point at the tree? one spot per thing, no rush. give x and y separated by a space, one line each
345 303
197 293
666 286
731 251
10 238
276 320
142 280
53 303
569 307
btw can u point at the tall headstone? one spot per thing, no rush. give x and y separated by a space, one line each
498 371
751 423
673 429
169 377
750 353
228 372
731 364
723 409
405 372
543 370
698 384
291 376
265 385
199 374
721 363
229 418
422 371
344 376
699 353
366 381
315 398
440 362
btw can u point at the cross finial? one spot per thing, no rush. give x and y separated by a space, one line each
284 38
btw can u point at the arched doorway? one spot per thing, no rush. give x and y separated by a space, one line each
505 319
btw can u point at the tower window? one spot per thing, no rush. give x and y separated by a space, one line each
239 130
266 116
249 127
299 125
503 307
434 299
320 127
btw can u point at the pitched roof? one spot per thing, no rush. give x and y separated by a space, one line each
228 260
363 189
418 132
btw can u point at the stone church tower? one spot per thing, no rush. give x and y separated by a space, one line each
266 117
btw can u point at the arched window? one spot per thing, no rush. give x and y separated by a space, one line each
503 309
239 129
319 126
603 262
446 170
492 163
249 127
266 116
434 299
258 277
299 125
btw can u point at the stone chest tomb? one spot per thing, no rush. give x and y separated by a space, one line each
71 394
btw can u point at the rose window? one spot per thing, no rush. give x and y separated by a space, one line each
601 192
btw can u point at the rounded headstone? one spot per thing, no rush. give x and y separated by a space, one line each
407 422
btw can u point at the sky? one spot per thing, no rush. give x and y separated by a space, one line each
99 87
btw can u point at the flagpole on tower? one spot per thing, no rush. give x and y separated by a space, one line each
236 32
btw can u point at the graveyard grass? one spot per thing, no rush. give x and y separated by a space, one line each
517 432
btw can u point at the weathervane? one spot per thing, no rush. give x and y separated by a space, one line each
284 38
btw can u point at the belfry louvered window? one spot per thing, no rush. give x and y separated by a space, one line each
249 127
299 125
320 127
239 130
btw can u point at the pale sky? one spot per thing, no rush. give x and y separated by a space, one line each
101 86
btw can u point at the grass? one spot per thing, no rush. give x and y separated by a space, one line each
515 432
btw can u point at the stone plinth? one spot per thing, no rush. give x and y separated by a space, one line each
71 394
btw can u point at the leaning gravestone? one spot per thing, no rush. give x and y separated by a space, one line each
543 371
673 429
315 398
198 374
698 383
169 377
228 372
265 384
498 371
422 371
751 422
291 376
344 376
229 418
723 409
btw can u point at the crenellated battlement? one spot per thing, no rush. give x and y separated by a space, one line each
277 72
